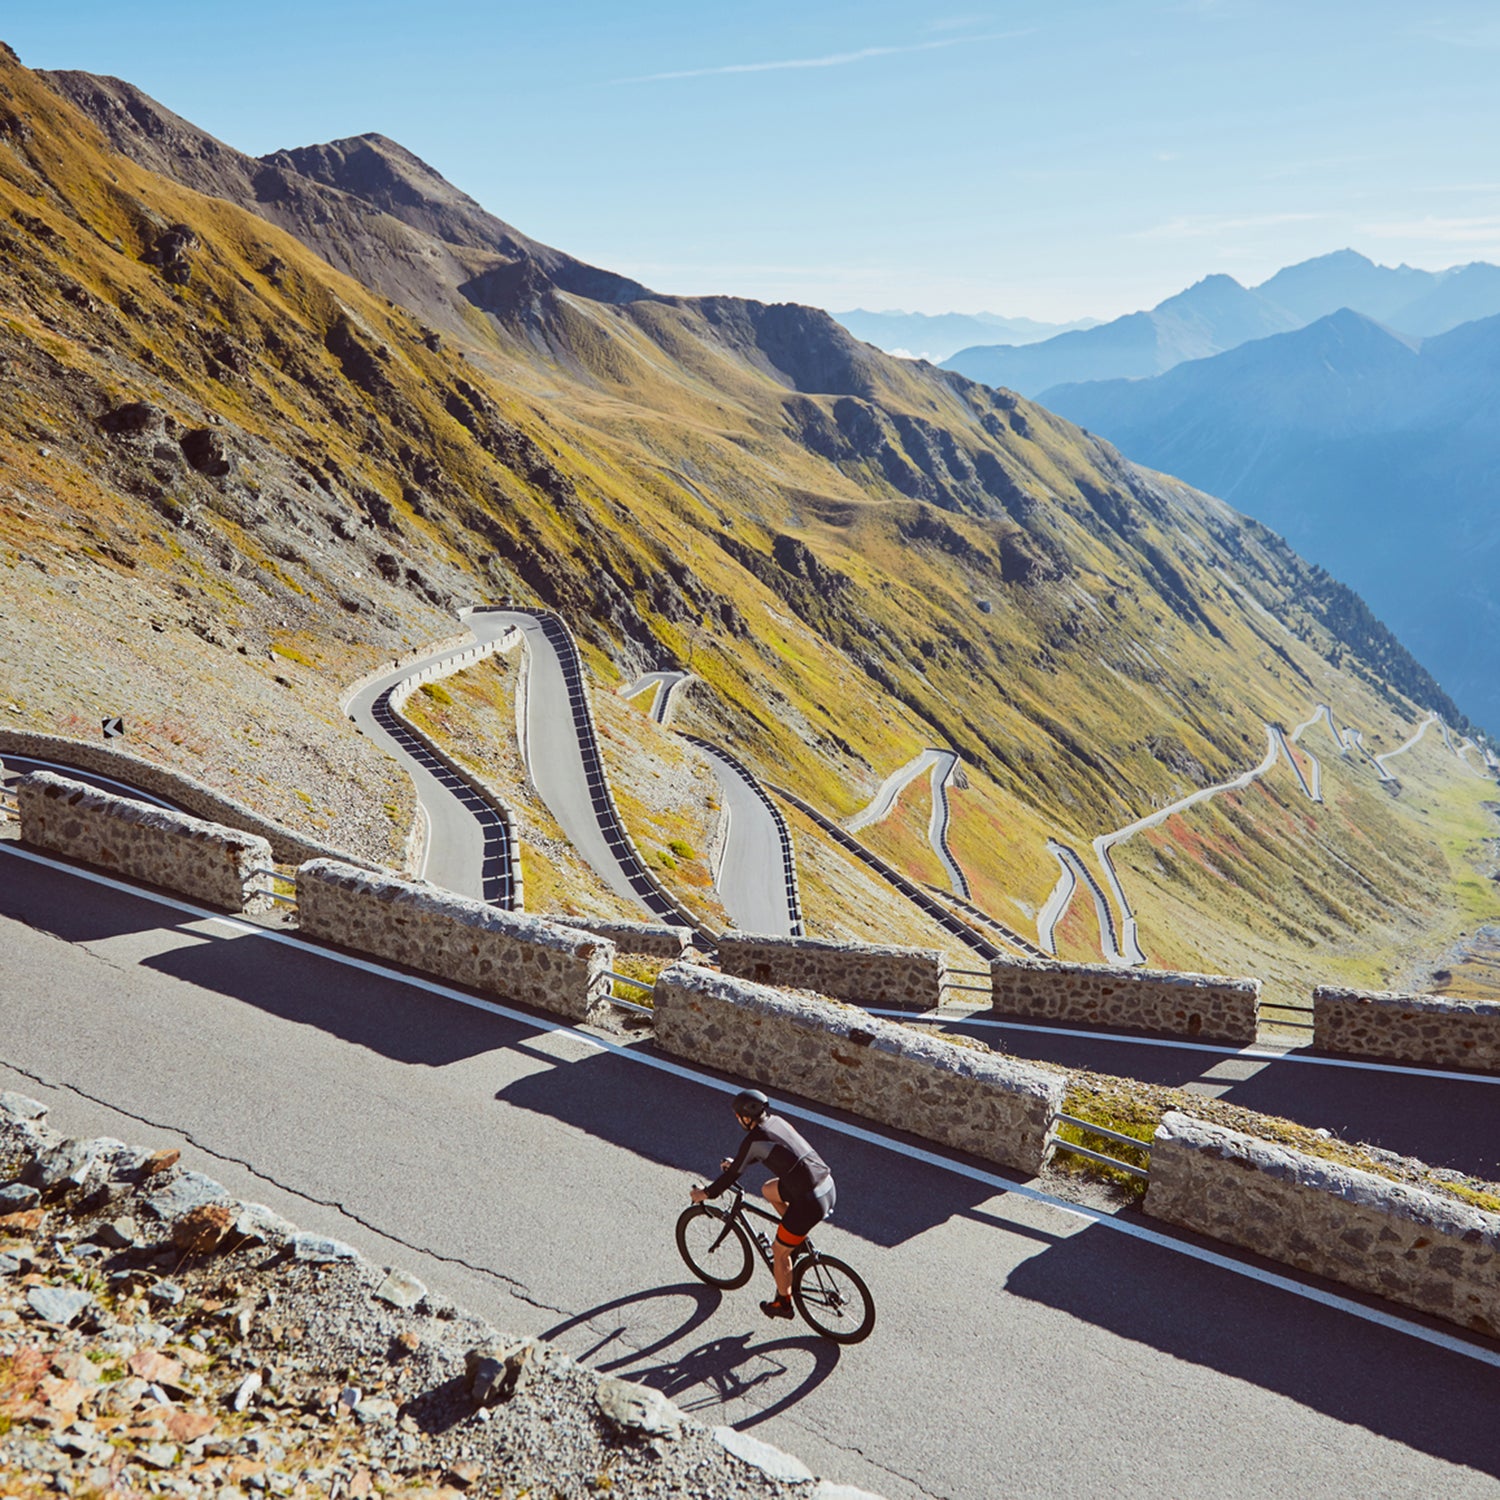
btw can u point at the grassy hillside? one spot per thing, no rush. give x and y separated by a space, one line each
235 478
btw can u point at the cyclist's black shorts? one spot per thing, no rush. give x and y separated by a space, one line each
802 1213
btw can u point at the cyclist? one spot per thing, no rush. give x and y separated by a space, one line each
801 1192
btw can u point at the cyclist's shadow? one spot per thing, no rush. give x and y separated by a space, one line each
719 1371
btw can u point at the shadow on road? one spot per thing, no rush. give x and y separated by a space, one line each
77 911
883 1197
709 1375
1357 1372
1438 1120
397 1020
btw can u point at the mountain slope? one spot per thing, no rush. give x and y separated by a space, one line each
217 432
1373 453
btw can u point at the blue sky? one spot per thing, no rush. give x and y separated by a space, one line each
1054 160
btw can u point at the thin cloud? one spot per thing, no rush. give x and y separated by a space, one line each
832 60
1481 230
1207 226
1482 35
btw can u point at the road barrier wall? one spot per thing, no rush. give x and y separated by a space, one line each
1429 1252
288 846
1197 1005
506 954
1438 1030
956 1094
203 860
646 939
867 973
509 836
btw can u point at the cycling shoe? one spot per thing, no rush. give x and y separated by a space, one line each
776 1308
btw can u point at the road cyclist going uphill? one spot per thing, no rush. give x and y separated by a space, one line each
717 1245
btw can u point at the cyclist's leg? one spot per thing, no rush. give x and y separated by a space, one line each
796 1224
772 1194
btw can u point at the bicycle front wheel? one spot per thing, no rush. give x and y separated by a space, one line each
833 1298
714 1246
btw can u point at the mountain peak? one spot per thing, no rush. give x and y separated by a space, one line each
377 169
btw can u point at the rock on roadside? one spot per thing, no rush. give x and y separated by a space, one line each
157 1335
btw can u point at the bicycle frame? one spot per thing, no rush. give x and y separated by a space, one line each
743 1209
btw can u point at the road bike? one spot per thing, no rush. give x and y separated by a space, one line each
717 1245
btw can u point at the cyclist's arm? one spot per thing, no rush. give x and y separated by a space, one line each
732 1171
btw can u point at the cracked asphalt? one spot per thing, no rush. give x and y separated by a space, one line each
535 1179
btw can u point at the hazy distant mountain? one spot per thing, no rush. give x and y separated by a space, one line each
1215 314
1374 453
934 336
1218 314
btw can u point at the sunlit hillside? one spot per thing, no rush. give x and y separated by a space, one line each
235 478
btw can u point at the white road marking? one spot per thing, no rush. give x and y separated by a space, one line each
1451 1343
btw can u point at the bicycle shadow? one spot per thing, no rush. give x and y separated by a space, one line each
708 1376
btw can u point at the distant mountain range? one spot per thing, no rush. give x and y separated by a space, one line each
934 336
1373 452
1218 314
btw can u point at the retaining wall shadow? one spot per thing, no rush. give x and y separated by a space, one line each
1404 1390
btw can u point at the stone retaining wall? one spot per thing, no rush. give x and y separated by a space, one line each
1428 1252
960 1096
1199 1005
510 839
867 973
647 939
205 861
288 846
506 954
1438 1030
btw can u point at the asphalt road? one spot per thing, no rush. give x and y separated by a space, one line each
461 851
752 876
552 754
534 1172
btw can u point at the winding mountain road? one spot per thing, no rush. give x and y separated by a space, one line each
944 766
467 845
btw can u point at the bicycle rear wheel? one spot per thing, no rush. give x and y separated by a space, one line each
833 1298
714 1247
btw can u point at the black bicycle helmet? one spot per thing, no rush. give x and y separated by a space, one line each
751 1104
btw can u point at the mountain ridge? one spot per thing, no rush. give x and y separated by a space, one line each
1334 434
1217 314
856 556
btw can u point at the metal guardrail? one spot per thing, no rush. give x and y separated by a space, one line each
619 1000
277 875
1098 1156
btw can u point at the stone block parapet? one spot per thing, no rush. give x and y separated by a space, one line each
287 845
1198 1005
960 1096
1437 1030
206 861
1418 1248
506 954
646 939
867 973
